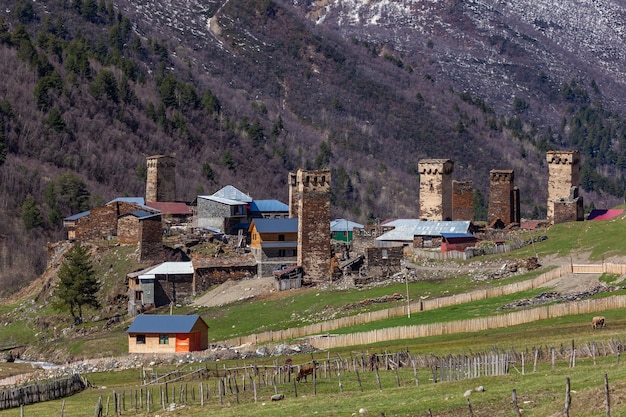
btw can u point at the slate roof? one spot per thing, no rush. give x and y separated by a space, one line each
275 225
343 225
153 323
266 206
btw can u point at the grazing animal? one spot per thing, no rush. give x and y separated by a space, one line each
597 322
304 371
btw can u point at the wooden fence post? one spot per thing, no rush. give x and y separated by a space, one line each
515 406
568 397
608 395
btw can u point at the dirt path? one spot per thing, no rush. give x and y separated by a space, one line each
232 291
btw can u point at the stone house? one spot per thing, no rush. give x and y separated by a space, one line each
274 244
209 270
167 334
143 228
226 210
160 285
101 222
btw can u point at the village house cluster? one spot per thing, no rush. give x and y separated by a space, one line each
297 243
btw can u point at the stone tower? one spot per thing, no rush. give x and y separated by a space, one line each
313 201
435 189
503 197
161 178
462 200
563 183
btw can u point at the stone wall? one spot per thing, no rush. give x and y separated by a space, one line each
435 189
462 200
161 178
150 238
569 209
314 223
101 222
128 230
563 169
211 214
384 261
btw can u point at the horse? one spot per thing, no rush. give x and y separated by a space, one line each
304 371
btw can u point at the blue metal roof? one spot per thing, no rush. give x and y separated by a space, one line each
142 214
264 206
153 323
136 200
455 235
276 225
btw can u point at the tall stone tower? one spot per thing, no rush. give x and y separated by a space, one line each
462 200
436 189
161 178
564 204
313 200
503 197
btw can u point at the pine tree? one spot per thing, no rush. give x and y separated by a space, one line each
77 285
31 214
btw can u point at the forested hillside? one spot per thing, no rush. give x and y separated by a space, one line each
245 91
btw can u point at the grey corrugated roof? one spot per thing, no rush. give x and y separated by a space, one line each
343 225
406 229
231 193
152 323
276 225
168 268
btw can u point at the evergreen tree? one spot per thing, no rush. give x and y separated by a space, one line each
77 286
31 214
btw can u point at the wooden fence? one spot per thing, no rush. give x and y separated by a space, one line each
41 391
328 341
455 368
425 305
416 306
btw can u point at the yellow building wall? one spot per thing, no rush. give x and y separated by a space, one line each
257 238
152 344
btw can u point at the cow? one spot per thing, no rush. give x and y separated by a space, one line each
598 321
304 371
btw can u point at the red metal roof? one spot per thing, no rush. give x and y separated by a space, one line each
175 208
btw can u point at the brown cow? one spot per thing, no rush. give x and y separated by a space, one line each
598 321
304 371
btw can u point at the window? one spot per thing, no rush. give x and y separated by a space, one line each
140 339
164 339
281 238
281 253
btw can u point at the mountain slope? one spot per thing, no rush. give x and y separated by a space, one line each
242 92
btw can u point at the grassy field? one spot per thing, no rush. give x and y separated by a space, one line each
540 393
